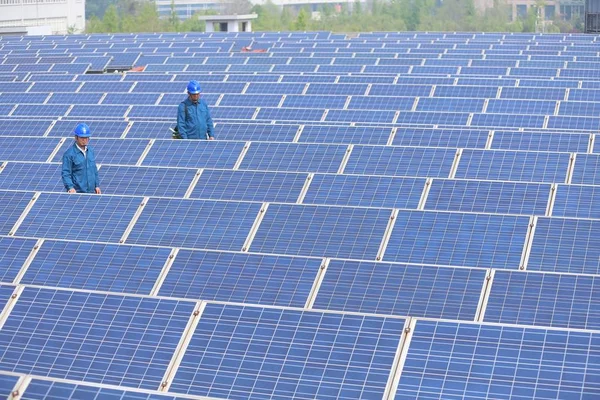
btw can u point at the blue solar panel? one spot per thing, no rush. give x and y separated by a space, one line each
366 191
321 231
37 110
7 382
559 300
481 92
397 289
538 141
169 99
574 123
143 181
503 165
410 161
576 201
432 118
249 186
256 132
15 98
314 101
347 89
150 129
565 245
242 113
515 106
508 121
195 223
12 205
449 104
293 157
45 87
366 116
469 138
237 277
488 197
111 268
448 360
23 127
52 390
75 98
111 151
73 68
380 103
294 115
400 90
59 216
581 108
584 95
13 253
275 88
533 93
47 177
461 239
160 87
193 154
254 100
251 353
102 129
131 98
93 337
104 87
345 134
98 111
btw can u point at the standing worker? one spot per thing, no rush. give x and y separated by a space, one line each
79 170
193 116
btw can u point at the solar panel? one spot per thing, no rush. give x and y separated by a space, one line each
398 289
455 360
380 103
74 98
345 134
152 112
202 224
39 389
366 116
540 141
488 197
15 98
525 166
250 352
415 90
576 201
321 230
565 245
584 108
442 137
19 148
36 110
146 181
337 89
275 88
293 157
574 123
72 68
23 127
584 94
460 239
47 177
478 92
533 93
432 118
104 87
101 129
249 186
449 104
7 382
59 216
515 106
131 98
256 132
242 113
543 299
98 111
411 161
254 100
238 277
94 337
176 98
110 151
314 101
13 253
91 266
193 154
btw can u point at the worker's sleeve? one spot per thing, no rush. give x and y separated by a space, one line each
67 172
181 121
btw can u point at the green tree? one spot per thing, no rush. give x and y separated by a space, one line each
111 20
174 18
302 20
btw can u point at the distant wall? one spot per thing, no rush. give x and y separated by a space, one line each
59 15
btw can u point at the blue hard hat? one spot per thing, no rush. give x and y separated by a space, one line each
82 130
193 87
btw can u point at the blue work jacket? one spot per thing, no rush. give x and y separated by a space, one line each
196 123
79 171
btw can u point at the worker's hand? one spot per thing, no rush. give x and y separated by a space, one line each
98 191
72 190
211 138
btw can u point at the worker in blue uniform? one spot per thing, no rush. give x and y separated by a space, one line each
193 116
79 170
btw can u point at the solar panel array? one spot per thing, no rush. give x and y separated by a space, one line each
388 216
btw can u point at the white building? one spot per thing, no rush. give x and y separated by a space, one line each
43 16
